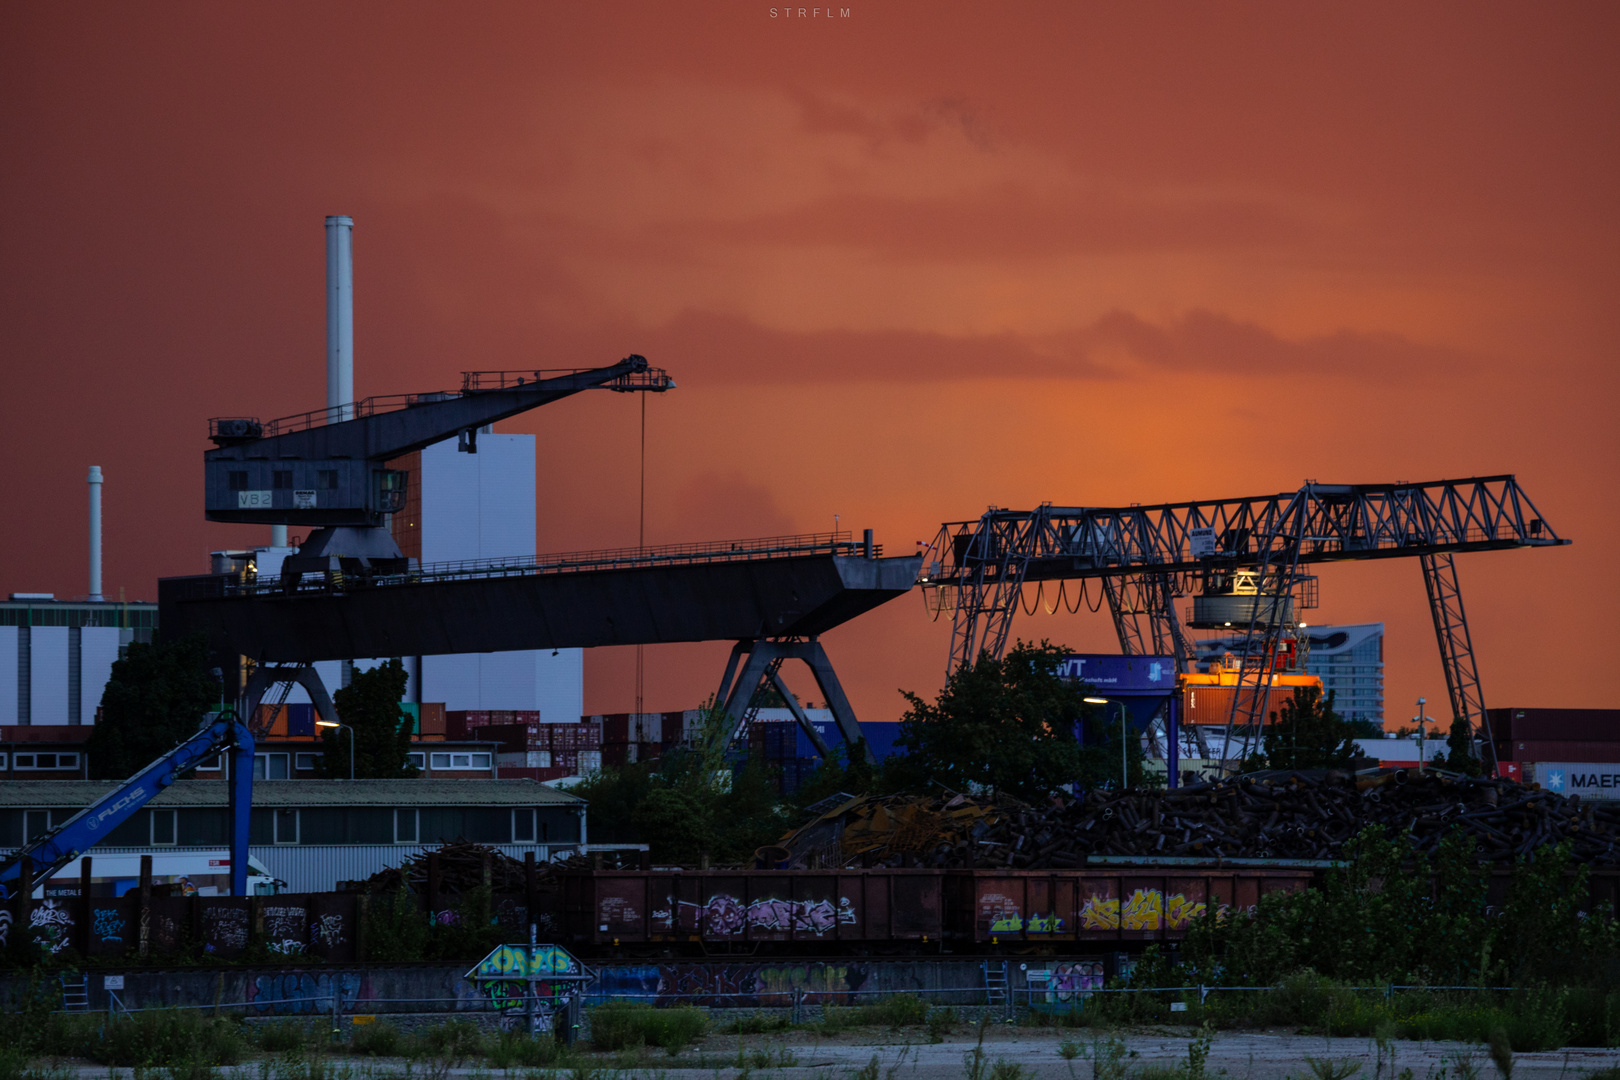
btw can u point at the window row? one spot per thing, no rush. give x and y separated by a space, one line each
25 762
211 826
275 766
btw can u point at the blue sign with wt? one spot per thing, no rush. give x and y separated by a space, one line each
1122 674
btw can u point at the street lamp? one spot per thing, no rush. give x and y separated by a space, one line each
1421 720
350 730
1124 736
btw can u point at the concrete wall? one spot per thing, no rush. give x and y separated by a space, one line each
746 984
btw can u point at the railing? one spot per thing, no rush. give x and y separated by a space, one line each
649 379
575 562
250 427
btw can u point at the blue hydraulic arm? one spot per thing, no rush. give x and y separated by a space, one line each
91 825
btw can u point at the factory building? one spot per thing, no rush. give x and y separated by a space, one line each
56 655
310 834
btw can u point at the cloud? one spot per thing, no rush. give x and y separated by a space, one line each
1119 345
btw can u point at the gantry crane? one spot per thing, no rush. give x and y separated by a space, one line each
1245 559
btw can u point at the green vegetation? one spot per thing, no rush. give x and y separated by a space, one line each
622 1025
155 698
690 803
379 728
1460 750
1306 733
1007 725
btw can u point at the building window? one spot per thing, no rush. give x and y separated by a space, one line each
307 762
281 480
36 823
417 759
238 479
269 766
459 761
164 830
213 764
2 762
286 827
326 478
523 826
46 761
405 826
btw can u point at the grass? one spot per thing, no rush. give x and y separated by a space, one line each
619 1025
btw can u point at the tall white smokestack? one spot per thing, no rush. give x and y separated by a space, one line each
95 532
340 316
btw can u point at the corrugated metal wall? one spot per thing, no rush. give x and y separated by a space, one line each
319 867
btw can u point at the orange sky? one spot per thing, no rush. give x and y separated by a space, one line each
903 265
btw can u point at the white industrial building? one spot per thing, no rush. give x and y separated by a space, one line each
471 507
56 655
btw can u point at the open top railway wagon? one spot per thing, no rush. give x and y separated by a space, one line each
899 911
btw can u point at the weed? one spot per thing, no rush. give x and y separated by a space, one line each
1198 1055
1008 1070
941 1022
618 1025
872 1070
1069 1049
163 1036
1502 1052
758 1024
1328 1069
515 1049
454 1041
279 1036
1107 1059
375 1040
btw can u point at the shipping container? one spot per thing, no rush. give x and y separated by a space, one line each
1558 725
530 759
515 738
433 719
1591 752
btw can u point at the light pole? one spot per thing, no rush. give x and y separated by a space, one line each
1421 720
1124 737
350 730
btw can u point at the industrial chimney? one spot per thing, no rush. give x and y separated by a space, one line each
95 532
340 316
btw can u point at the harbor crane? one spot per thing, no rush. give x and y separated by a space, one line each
1242 561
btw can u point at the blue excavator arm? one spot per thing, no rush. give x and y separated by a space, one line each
91 825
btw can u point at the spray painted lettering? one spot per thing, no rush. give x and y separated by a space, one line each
727 915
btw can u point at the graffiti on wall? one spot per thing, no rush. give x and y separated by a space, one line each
750 985
1069 981
1144 909
225 929
299 992
107 927
283 928
727 915
51 924
5 928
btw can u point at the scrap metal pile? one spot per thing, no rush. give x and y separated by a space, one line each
1266 815
462 866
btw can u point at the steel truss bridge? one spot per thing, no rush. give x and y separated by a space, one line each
1145 557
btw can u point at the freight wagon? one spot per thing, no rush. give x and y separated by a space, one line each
898 911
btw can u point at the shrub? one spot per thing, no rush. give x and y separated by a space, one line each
375 1040
515 1049
279 1036
161 1037
454 1040
619 1025
898 1011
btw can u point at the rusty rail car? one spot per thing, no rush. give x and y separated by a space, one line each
898 910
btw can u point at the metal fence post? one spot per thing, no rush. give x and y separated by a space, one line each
798 1005
336 1030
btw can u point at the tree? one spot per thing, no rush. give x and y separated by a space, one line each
1008 725
1460 753
381 730
155 698
1308 734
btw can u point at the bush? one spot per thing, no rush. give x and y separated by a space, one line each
514 1049
375 1040
454 1040
898 1011
619 1025
279 1036
167 1036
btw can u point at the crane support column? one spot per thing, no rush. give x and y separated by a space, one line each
1456 646
764 659
241 809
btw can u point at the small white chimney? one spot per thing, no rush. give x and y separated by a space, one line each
340 316
95 532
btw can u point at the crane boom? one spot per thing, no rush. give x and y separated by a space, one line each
90 826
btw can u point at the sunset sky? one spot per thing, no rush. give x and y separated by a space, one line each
903 264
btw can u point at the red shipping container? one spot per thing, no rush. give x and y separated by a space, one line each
515 738
616 728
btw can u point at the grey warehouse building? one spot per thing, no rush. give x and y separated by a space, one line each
311 834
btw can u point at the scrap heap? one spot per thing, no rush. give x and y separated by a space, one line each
1266 815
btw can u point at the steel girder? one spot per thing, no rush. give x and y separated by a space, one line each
1145 555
